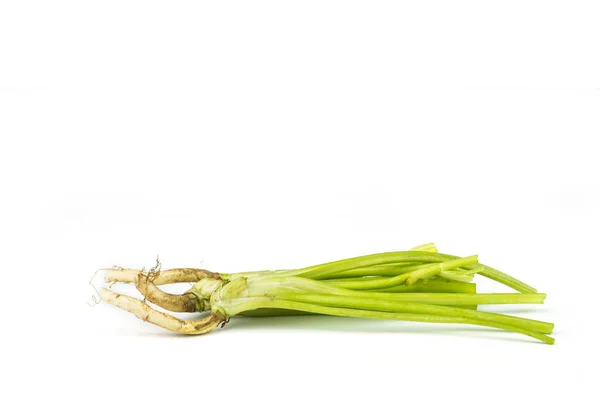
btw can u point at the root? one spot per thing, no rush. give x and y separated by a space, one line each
187 302
166 321
95 299
182 275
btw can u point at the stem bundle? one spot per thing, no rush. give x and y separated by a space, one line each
419 285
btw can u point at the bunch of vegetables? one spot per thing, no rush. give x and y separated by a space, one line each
419 285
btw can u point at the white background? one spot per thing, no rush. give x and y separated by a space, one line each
269 134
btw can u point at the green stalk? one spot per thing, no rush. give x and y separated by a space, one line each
392 269
459 298
432 285
233 307
342 281
357 283
273 312
507 280
360 283
461 274
328 269
498 276
449 299
427 247
278 286
456 277
416 308
422 272
386 264
433 269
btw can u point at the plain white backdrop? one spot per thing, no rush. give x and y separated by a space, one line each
270 134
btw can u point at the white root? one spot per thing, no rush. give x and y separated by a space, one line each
180 275
166 321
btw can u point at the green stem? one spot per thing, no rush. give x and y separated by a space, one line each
342 281
416 308
434 285
233 307
327 269
507 280
358 283
422 272
392 269
433 269
359 266
498 276
456 277
275 287
460 298
273 312
427 247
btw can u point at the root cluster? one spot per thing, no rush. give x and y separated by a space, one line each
147 284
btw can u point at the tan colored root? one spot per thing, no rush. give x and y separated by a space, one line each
181 275
187 302
166 321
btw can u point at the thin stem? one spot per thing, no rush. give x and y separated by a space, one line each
276 287
392 269
416 308
358 283
456 277
499 277
427 247
458 298
234 307
420 273
340 282
433 269
434 285
327 269
507 280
